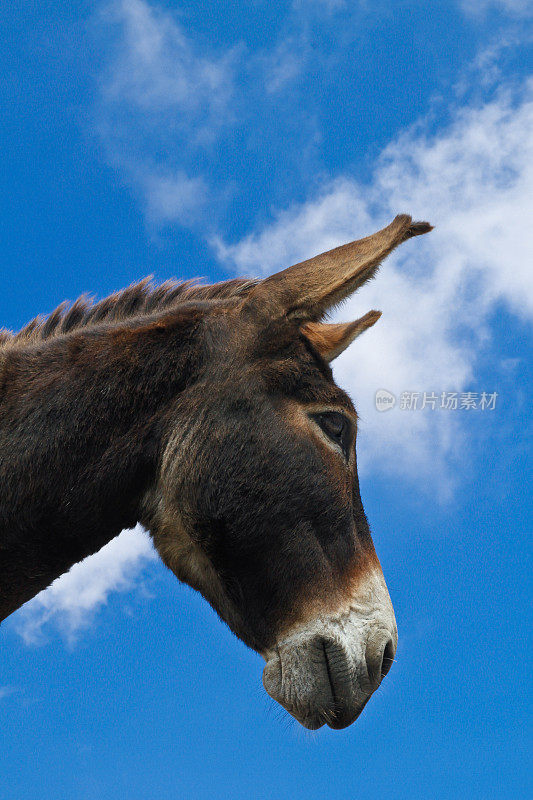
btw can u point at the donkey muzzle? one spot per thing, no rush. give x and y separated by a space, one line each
324 673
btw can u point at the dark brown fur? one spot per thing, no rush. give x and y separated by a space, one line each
86 415
190 408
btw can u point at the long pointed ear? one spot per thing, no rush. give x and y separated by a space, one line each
331 339
306 290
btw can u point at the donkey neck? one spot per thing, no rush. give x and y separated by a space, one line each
82 418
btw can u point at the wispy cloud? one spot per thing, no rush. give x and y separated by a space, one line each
157 68
284 63
167 108
174 198
71 602
328 5
518 8
474 181
158 97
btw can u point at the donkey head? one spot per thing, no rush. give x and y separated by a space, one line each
258 503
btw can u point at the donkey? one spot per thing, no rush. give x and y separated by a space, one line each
209 414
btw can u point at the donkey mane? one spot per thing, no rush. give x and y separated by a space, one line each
138 300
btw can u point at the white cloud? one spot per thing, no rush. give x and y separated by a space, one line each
157 68
72 600
486 71
159 95
284 64
174 198
474 181
328 5
520 8
165 105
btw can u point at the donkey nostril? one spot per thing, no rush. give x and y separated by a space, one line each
379 660
388 658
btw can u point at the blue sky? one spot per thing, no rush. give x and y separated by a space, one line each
212 139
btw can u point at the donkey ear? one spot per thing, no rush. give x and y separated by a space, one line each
331 339
306 290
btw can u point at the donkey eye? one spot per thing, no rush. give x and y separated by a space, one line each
338 428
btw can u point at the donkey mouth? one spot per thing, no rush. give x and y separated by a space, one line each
334 718
321 679
316 682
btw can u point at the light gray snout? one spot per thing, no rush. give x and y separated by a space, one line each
319 681
323 672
